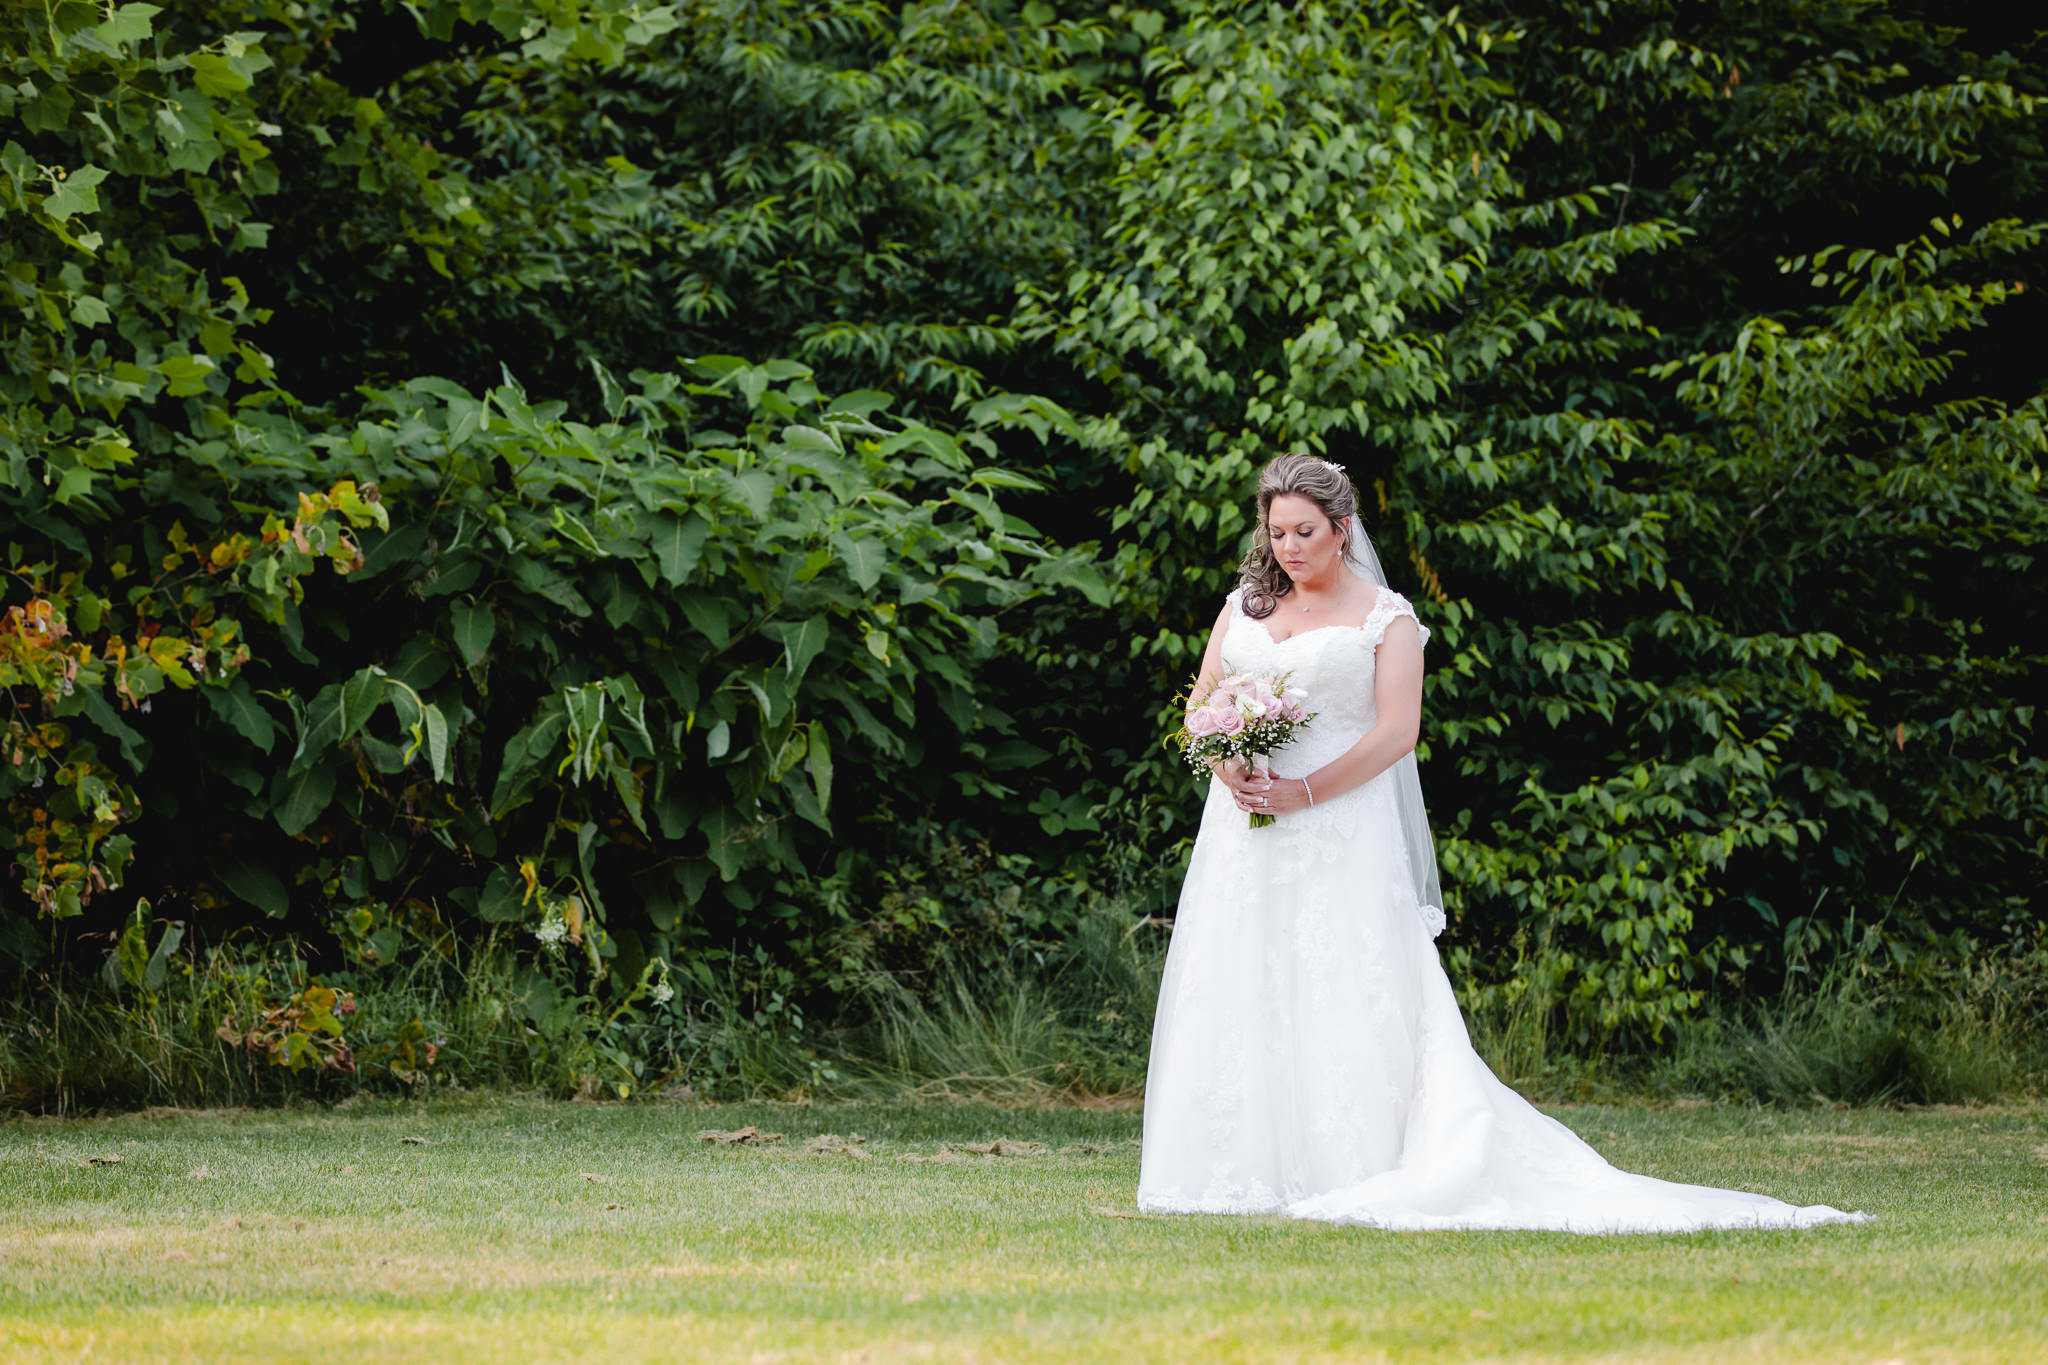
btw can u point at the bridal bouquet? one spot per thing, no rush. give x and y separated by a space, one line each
1243 716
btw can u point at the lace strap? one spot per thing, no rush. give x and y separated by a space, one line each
1387 608
1236 600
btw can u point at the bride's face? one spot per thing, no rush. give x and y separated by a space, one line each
1305 541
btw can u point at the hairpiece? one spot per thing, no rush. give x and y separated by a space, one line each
1332 464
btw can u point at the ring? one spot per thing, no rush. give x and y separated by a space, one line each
1262 800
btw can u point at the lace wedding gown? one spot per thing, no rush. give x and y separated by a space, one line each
1308 1057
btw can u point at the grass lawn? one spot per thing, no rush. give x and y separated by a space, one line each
489 1229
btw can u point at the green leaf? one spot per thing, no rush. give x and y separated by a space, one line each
297 798
436 725
526 759
708 617
473 626
543 580
801 641
678 544
819 761
865 559
1016 753
76 193
574 530
128 24
629 709
585 708
501 901
256 884
187 374
627 785
358 702
1072 571
216 75
158 968
236 704
87 310
1003 478
861 402
800 439
76 483
102 714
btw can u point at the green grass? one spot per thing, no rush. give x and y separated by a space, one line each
529 1230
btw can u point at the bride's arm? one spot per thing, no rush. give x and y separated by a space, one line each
1397 695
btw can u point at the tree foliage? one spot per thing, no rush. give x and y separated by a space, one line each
1673 352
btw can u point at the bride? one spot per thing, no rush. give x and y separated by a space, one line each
1308 1057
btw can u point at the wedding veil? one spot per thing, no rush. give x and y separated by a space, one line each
1361 560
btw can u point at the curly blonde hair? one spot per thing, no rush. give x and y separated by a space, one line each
1304 476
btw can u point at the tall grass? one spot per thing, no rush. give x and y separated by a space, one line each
1862 1029
1063 1023
1045 1023
70 1042
1857 1020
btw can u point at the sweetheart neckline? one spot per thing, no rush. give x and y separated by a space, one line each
1379 597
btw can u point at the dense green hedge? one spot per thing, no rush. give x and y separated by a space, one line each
1674 355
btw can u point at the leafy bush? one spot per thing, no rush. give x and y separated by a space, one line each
720 680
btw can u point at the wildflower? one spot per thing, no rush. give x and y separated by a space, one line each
551 933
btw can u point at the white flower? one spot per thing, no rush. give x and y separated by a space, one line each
663 993
1251 708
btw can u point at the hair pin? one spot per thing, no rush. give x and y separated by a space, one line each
1332 464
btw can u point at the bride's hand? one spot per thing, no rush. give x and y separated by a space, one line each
1246 786
1270 795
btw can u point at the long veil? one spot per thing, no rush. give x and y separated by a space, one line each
1361 560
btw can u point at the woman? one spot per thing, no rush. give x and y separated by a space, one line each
1308 1057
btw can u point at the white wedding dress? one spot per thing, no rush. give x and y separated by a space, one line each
1308 1056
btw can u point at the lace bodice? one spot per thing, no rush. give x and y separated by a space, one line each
1333 664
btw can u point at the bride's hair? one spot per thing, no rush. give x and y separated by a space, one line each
1303 476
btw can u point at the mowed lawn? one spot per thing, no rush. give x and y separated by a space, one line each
503 1229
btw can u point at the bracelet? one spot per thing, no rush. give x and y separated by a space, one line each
1310 790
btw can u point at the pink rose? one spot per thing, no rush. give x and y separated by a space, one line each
1294 711
1229 721
1201 721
